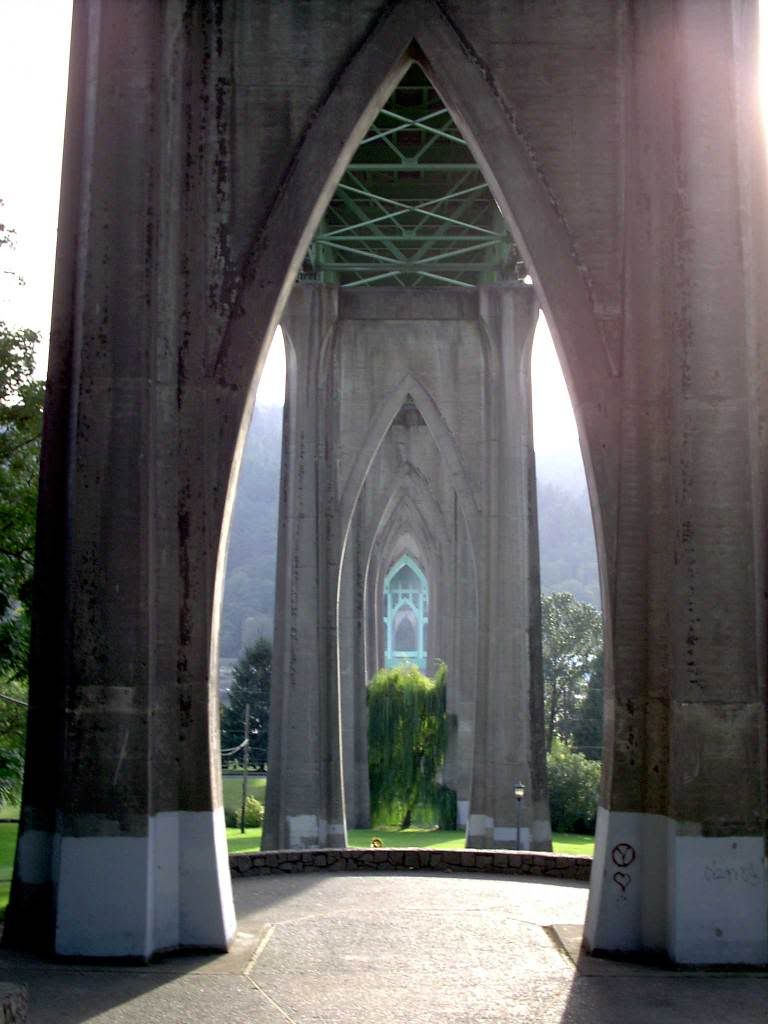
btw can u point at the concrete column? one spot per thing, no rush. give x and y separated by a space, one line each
122 849
353 681
462 649
465 385
508 728
680 866
305 805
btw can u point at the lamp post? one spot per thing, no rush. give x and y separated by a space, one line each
519 794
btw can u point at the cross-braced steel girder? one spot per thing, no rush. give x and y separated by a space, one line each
413 207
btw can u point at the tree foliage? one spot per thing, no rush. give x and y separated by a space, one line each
21 412
251 681
572 639
407 737
574 789
254 814
588 730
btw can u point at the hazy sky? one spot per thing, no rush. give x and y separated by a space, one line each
33 77
33 86
554 426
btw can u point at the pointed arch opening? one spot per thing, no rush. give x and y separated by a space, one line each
406 614
525 208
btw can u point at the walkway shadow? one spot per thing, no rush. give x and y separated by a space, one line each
606 991
176 988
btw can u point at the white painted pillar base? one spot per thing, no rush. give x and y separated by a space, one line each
659 888
484 834
462 813
310 832
132 896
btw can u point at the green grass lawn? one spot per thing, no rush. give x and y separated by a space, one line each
567 842
243 842
7 850
409 837
562 842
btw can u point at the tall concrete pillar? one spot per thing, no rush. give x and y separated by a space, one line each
353 680
680 864
122 848
508 724
305 804
457 363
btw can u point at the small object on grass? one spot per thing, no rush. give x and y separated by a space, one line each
376 843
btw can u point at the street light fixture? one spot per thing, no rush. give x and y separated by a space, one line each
519 794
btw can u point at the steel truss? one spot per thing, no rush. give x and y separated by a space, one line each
413 207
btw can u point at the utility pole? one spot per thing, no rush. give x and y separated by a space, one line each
246 727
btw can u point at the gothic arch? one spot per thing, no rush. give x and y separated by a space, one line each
409 481
420 31
402 530
441 434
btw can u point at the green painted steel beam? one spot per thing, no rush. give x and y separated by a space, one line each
409 166
410 122
412 236
402 267
412 207
378 278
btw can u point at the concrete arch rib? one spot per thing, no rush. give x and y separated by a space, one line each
402 530
409 482
374 438
417 30
420 30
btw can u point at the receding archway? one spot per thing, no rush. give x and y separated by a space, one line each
549 228
163 311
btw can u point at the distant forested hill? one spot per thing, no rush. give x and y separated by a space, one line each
249 585
568 561
567 541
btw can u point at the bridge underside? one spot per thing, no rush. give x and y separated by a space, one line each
204 145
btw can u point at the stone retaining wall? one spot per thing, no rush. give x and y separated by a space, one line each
497 862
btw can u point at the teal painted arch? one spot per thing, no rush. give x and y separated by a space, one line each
406 606
406 614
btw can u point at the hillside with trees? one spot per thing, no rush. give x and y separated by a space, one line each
249 585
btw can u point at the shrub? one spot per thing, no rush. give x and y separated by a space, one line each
254 814
574 789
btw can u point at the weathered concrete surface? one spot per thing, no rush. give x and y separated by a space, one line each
203 143
305 802
429 949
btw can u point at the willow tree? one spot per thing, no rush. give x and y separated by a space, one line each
407 737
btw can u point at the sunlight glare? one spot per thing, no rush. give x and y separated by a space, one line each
271 390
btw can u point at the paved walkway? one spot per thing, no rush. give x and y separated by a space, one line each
391 949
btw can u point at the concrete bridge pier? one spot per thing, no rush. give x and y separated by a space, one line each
305 803
509 718
680 866
458 364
